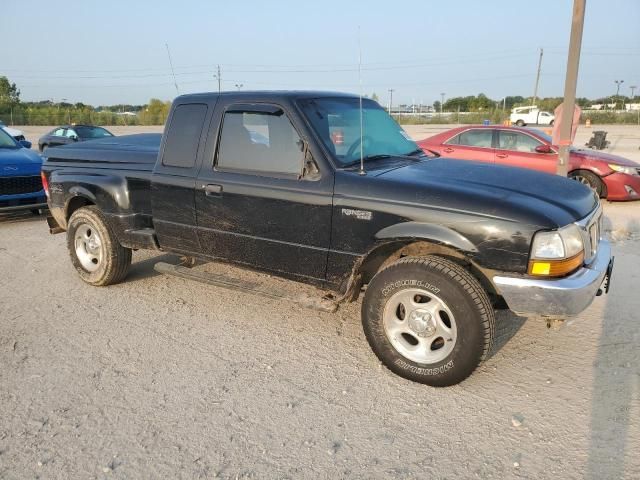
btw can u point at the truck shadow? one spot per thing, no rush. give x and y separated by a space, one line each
507 325
143 269
23 217
616 374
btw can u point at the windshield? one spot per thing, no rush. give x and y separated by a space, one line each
92 132
337 122
6 140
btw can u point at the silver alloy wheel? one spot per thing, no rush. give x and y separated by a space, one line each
419 325
582 180
88 247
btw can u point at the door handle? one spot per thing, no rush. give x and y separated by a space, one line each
502 155
448 150
212 190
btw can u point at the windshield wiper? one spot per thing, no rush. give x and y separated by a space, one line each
418 151
366 158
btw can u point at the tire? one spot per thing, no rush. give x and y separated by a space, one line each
94 249
520 123
35 211
551 123
43 148
408 339
589 179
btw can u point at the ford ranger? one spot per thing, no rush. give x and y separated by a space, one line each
328 190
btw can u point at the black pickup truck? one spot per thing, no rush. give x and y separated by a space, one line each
273 181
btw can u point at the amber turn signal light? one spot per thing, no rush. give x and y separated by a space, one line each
555 268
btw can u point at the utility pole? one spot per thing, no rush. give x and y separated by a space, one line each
633 89
441 101
535 88
618 83
570 84
219 77
391 90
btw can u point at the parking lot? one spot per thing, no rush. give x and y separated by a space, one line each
158 377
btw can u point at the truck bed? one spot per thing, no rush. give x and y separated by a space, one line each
138 152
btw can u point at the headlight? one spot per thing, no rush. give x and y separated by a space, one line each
557 253
621 169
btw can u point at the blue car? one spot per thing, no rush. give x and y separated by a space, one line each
20 182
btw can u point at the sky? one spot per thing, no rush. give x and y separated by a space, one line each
115 51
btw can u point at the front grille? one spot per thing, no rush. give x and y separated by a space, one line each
591 227
18 185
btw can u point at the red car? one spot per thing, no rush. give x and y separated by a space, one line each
613 177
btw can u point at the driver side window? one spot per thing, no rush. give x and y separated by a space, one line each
518 142
260 142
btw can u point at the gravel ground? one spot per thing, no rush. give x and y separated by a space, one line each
159 377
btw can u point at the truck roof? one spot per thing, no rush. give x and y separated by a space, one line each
264 94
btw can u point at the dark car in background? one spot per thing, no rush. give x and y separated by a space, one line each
70 134
20 182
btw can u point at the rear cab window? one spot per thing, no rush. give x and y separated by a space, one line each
183 135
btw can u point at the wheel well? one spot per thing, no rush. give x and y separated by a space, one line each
604 185
75 203
388 253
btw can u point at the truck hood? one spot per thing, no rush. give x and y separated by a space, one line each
19 157
604 157
508 193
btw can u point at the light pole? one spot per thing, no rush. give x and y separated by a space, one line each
391 90
570 84
441 101
618 83
239 85
633 89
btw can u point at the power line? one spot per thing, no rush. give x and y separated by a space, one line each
175 82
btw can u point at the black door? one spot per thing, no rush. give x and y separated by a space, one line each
173 181
264 202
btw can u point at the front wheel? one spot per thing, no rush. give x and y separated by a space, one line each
551 123
520 123
94 249
428 320
589 179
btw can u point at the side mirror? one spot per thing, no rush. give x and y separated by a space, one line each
25 143
74 138
543 149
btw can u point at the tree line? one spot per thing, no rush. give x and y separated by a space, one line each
14 111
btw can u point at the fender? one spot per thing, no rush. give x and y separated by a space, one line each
429 232
107 191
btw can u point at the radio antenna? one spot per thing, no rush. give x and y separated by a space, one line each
172 72
362 172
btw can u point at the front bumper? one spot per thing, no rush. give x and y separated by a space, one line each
560 297
23 201
622 187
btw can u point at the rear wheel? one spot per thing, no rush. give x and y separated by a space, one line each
520 123
94 249
428 320
589 179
